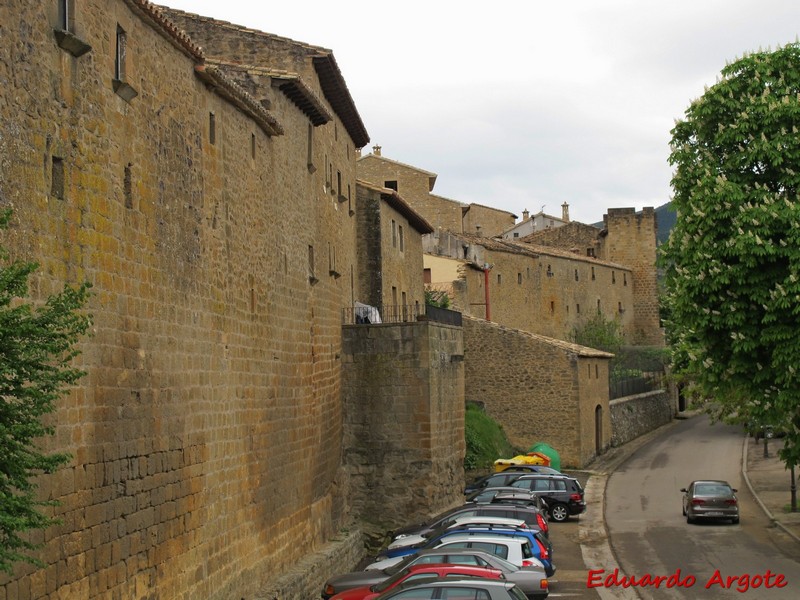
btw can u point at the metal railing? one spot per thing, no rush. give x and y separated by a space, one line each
401 313
619 387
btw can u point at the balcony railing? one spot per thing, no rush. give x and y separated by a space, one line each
619 387
362 314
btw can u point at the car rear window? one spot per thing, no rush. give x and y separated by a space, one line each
527 551
496 549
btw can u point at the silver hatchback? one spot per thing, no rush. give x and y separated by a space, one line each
710 499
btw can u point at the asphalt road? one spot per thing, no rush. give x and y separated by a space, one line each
650 536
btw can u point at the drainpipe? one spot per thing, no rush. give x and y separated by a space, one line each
486 268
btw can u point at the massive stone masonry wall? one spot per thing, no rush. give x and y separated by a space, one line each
485 220
549 295
636 415
631 241
414 187
540 390
403 388
213 364
583 238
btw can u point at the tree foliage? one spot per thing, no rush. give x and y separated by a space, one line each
732 262
37 345
599 332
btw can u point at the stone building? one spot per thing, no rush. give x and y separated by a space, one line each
538 222
415 185
210 197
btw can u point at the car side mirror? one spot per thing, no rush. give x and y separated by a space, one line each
684 490
735 490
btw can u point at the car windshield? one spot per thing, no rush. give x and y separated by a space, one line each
712 489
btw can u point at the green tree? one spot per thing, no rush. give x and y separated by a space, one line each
598 332
732 262
37 345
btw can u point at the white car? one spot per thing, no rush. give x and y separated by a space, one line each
410 540
515 549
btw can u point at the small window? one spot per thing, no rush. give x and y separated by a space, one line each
519 278
624 279
596 372
121 51
310 150
590 252
576 274
402 239
598 306
592 273
311 269
426 276
578 308
589 370
516 234
252 145
552 307
499 279
212 128
65 30
549 271
66 15
392 185
619 307
394 234
613 277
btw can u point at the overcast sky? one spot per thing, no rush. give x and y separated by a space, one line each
527 104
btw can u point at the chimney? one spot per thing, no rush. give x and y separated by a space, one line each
525 214
565 212
376 150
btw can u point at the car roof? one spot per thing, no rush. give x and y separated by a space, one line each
483 536
435 567
545 476
712 481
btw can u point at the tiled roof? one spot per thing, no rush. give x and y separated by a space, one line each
331 80
225 87
291 84
492 208
154 15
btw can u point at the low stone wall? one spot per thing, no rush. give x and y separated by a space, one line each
633 416
305 580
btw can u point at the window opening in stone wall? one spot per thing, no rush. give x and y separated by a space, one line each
212 128
613 277
252 145
350 201
426 276
589 370
57 178
127 186
403 303
552 307
578 308
402 239
121 50
65 30
120 84
335 131
592 273
394 234
519 278
567 306
516 234
549 271
576 274
392 185
330 178
619 307
596 372
312 278
310 149
499 279
624 279
598 306
590 252
394 297
66 15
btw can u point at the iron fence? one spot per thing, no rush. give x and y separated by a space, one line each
619 387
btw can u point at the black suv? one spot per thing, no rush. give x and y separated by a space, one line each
563 494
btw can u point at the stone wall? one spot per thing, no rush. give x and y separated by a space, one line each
403 386
485 220
539 389
207 435
636 415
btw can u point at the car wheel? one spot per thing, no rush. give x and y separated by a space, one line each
735 520
683 510
689 518
559 512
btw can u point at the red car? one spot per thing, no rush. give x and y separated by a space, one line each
421 574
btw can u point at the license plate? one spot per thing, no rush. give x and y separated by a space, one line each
713 514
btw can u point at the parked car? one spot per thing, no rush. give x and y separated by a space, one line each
505 477
457 523
418 574
533 516
517 550
563 494
540 546
402 549
507 495
485 589
531 579
710 499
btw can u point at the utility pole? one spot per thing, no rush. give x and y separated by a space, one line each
793 490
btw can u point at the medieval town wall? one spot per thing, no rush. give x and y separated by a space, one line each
207 434
485 220
403 390
540 389
633 416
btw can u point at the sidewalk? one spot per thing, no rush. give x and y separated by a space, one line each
769 480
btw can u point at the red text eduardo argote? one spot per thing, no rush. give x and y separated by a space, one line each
740 583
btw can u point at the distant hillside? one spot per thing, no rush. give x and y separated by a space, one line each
665 220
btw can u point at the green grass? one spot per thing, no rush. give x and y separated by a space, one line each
486 441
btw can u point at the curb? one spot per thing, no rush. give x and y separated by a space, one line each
767 512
